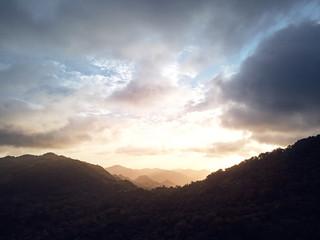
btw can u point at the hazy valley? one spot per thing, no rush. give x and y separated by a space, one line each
151 178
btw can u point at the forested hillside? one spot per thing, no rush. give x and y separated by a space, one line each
272 196
50 196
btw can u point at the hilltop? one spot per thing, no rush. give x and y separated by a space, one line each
271 196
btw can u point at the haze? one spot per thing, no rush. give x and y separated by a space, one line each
168 84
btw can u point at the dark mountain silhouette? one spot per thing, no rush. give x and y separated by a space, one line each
272 196
53 173
42 196
164 177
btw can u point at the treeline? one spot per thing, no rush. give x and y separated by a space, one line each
272 196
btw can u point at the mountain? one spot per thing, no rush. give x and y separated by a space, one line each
146 182
120 170
167 184
43 195
271 196
53 173
175 177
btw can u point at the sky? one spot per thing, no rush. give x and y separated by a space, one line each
158 83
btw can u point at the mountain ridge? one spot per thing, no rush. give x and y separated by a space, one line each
54 170
176 177
271 196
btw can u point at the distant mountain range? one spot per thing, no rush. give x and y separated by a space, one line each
151 178
271 196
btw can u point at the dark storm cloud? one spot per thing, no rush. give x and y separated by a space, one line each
277 88
231 25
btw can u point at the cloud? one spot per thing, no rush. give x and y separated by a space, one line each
242 147
145 31
222 149
65 137
276 89
75 71
91 129
135 29
91 27
22 76
141 95
236 29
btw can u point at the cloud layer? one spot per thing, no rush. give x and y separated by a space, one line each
276 91
210 78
